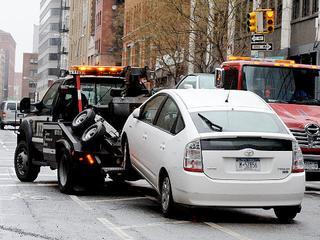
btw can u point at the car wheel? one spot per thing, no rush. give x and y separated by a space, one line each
94 133
1 126
83 120
25 170
287 214
65 175
167 203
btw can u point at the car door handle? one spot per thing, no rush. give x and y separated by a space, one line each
144 136
162 147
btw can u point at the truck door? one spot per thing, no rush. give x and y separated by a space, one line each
45 108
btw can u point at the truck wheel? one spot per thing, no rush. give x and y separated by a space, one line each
25 170
65 175
94 133
83 120
287 214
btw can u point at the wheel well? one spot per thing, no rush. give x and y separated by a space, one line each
22 136
163 172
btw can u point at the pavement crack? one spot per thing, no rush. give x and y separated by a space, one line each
24 233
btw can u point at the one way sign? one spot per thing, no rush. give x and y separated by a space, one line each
257 38
261 46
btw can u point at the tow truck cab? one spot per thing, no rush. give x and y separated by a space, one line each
46 137
292 90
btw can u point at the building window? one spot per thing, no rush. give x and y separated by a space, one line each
53 56
295 9
98 19
305 8
54 41
315 6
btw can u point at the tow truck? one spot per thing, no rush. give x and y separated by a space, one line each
292 90
75 127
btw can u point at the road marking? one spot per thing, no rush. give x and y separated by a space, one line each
29 185
156 224
82 204
114 199
227 231
115 229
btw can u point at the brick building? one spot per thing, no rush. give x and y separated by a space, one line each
92 35
8 46
29 75
136 46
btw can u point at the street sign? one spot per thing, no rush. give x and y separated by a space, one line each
255 38
261 46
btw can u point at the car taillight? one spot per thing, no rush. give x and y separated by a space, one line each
297 158
193 157
4 115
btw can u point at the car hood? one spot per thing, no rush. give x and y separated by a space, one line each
296 115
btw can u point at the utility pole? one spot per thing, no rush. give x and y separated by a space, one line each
257 5
192 37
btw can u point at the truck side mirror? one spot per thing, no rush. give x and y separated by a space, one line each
25 105
136 113
219 76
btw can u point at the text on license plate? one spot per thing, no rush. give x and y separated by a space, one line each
248 164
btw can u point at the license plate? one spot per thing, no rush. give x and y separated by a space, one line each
248 164
311 165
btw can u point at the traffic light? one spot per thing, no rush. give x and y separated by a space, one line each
269 20
252 22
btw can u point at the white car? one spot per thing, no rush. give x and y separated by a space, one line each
216 148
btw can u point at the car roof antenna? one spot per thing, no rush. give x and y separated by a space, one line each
227 99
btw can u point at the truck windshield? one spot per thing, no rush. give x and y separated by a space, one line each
283 85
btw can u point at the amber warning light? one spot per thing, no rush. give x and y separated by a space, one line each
96 70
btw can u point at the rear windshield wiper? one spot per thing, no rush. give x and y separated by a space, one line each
212 126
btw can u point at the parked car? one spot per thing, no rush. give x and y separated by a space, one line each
197 81
10 113
216 148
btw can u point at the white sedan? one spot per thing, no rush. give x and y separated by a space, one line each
215 148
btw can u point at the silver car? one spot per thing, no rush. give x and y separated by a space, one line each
10 113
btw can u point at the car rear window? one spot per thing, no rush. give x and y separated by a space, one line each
239 121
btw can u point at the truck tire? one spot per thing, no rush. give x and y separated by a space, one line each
83 120
94 133
66 177
25 170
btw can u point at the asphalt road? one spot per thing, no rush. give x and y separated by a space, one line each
129 211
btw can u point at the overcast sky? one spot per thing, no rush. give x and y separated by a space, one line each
17 17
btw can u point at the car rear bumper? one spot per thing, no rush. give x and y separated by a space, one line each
198 190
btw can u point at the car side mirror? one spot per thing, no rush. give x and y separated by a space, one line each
136 113
25 105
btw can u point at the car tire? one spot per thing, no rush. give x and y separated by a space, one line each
66 177
94 133
166 199
25 170
83 120
287 214
1 126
